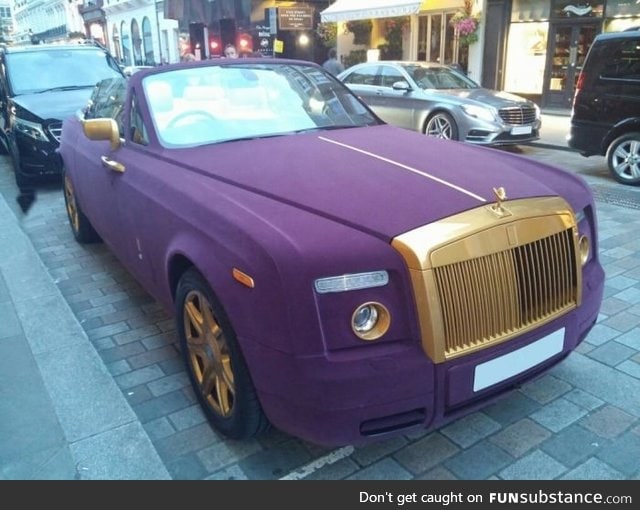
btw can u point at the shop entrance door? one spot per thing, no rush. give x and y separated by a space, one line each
569 44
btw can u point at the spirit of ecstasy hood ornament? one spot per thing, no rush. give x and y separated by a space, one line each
501 196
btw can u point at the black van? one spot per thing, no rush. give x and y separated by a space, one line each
605 119
40 85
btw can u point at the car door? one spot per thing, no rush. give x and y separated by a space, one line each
132 170
398 106
95 179
364 80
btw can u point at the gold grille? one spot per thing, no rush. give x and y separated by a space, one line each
488 275
493 296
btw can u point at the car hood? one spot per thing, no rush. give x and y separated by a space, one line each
384 180
495 98
54 105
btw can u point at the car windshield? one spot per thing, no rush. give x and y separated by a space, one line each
210 104
56 69
439 78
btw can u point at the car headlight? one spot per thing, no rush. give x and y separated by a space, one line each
31 129
479 112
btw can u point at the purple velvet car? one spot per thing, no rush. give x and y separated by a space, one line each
335 277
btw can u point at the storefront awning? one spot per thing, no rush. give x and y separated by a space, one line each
344 10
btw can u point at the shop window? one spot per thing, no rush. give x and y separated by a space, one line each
526 57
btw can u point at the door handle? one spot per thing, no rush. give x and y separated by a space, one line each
112 165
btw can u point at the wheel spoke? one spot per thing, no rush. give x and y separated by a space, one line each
209 380
621 153
193 319
225 395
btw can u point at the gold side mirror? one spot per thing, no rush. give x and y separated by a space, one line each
102 129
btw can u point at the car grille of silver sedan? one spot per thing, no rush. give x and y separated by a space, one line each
518 115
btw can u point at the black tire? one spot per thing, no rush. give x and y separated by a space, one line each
623 158
83 231
218 372
441 125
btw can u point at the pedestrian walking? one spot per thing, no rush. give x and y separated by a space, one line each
332 64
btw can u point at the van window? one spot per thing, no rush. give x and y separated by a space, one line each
623 62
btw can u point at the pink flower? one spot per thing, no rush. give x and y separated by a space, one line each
466 26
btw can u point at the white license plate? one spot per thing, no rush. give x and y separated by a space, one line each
521 130
516 362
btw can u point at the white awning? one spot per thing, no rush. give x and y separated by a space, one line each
344 10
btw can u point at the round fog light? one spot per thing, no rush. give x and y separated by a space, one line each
370 321
585 248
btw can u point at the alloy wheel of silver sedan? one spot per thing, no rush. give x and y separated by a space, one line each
441 125
623 158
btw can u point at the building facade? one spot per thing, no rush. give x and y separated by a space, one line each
534 48
46 21
6 22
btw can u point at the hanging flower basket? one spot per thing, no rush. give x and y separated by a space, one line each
466 24
328 33
361 30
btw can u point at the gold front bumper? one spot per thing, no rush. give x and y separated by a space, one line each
483 276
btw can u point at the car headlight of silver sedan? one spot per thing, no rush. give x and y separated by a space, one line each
479 112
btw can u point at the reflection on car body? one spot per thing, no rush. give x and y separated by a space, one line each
339 278
441 101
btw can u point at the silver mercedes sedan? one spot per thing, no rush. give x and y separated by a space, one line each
440 101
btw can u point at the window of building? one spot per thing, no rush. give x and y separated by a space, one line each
436 38
147 42
136 43
126 44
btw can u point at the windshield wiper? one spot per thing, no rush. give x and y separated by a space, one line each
66 87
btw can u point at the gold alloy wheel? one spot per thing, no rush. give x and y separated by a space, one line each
208 353
72 209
